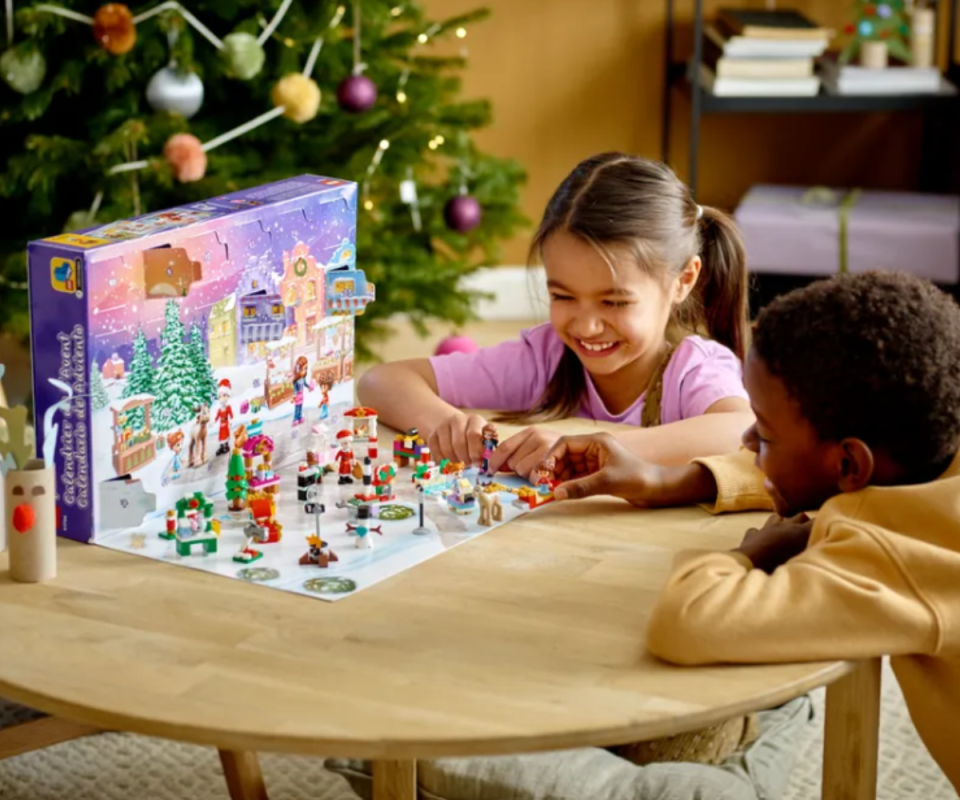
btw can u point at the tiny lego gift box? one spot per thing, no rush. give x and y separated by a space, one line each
181 331
811 232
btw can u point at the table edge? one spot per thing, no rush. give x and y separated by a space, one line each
823 673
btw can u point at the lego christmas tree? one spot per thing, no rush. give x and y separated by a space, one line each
140 377
98 392
204 382
109 112
237 486
887 21
175 374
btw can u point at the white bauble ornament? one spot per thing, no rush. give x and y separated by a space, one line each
23 72
175 91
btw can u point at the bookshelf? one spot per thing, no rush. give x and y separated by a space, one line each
937 108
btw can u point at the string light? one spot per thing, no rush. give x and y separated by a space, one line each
401 96
423 38
396 11
461 33
374 163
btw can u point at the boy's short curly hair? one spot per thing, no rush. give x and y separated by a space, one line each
875 356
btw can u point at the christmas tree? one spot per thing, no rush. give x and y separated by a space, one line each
98 392
89 118
886 21
140 377
204 384
236 482
174 382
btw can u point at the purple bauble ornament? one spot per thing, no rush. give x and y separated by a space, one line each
356 93
462 213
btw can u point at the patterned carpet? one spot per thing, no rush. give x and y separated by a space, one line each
125 767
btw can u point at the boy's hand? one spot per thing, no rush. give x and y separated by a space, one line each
459 438
777 541
522 451
597 464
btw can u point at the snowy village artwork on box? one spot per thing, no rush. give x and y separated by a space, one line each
213 425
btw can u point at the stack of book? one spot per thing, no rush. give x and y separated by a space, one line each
758 53
897 79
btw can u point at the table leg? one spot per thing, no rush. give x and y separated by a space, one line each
40 733
394 780
241 768
851 735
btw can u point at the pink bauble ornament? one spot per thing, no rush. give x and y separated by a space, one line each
356 93
184 154
456 344
462 213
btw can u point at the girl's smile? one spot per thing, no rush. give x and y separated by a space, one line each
591 349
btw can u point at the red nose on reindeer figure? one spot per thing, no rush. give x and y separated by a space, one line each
24 518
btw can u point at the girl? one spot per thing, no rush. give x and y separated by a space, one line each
628 254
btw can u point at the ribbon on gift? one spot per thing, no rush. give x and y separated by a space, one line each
825 197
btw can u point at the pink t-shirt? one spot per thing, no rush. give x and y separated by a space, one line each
512 377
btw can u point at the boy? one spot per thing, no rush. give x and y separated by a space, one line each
855 383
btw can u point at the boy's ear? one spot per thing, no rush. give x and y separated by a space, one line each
687 279
856 465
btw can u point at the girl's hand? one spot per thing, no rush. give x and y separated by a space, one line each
522 451
458 437
597 464
777 541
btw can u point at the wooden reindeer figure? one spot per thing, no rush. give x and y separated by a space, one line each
30 516
491 509
198 436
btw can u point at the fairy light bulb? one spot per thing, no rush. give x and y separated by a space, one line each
461 33
396 11
368 205
439 139
423 38
401 96
432 144
384 144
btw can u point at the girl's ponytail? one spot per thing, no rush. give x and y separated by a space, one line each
719 300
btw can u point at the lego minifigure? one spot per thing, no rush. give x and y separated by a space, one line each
491 439
175 443
546 480
299 387
345 456
325 400
224 415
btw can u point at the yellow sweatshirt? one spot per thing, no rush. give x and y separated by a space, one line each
880 576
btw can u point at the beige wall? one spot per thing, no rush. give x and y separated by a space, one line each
569 78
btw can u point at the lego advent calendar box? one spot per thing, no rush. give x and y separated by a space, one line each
181 331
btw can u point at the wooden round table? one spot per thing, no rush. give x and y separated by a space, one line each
530 637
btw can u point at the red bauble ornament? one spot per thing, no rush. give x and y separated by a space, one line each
850 29
113 28
462 213
356 93
24 518
869 10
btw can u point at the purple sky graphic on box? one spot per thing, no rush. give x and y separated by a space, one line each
225 252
